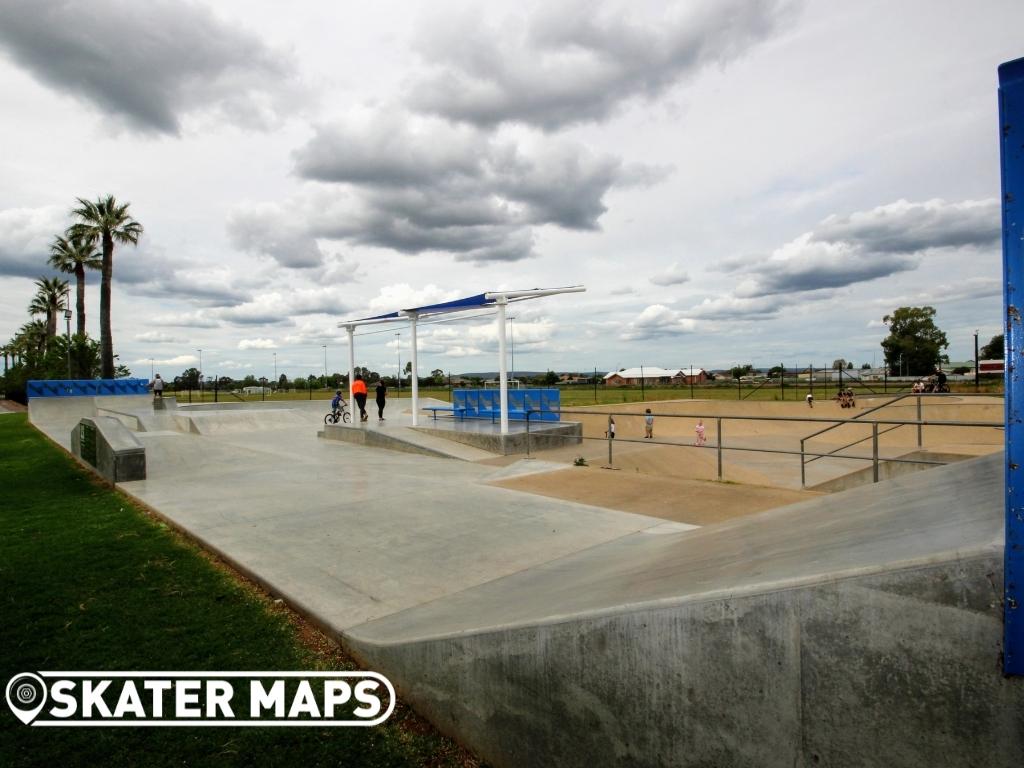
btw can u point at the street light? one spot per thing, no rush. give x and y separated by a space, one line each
325 365
68 321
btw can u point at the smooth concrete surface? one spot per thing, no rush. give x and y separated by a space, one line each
352 533
402 438
860 629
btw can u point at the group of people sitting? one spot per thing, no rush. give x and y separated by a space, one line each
846 399
934 383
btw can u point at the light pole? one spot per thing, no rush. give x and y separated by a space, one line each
398 376
68 321
152 369
325 365
975 359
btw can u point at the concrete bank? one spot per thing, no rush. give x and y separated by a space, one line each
858 629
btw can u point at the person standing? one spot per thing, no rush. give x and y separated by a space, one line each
382 395
810 400
699 429
648 424
359 393
610 433
158 387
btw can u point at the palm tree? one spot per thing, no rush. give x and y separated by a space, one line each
107 222
72 254
51 297
31 338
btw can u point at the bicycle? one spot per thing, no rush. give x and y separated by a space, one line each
342 414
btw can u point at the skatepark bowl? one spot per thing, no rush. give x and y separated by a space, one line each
760 600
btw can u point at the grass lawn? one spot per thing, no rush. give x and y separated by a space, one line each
581 395
90 582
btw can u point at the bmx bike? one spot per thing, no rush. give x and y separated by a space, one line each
341 414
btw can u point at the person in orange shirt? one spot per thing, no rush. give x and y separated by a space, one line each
359 393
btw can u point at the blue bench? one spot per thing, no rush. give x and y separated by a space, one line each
542 404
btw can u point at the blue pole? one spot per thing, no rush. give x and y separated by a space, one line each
1011 128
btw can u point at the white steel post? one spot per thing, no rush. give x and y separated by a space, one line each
415 376
350 329
502 364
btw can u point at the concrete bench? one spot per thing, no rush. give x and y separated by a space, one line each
108 446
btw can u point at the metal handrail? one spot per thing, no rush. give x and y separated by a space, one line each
719 446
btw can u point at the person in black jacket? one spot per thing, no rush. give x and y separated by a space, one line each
382 394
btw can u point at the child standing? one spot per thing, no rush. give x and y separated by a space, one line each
648 424
699 429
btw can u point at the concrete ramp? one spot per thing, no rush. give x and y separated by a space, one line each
229 421
862 628
57 416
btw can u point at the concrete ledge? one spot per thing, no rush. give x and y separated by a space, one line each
372 438
540 437
110 448
888 470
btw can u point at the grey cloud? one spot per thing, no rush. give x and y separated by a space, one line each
904 227
147 64
149 273
867 245
573 63
25 237
271 231
671 276
428 185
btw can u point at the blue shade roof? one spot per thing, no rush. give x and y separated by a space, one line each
469 302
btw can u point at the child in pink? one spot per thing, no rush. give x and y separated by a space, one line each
700 433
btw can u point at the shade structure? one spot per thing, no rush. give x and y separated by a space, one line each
489 299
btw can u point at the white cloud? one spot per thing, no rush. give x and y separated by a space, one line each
257 344
658 321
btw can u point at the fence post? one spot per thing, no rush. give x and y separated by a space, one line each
803 465
718 426
918 421
874 451
528 412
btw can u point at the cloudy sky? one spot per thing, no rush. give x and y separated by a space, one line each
732 180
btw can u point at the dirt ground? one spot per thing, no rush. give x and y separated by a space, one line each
697 502
668 477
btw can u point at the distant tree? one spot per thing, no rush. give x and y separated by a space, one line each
51 298
849 366
993 350
299 383
741 370
961 370
838 364
249 381
776 370
282 382
105 222
550 378
913 339
866 367
189 378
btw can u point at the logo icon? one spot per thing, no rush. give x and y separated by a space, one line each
26 696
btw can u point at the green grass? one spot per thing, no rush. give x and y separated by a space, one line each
89 582
581 395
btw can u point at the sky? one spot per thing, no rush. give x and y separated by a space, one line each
733 181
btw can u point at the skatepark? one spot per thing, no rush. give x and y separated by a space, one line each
631 611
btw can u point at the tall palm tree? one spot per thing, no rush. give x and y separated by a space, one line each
73 254
105 221
51 297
